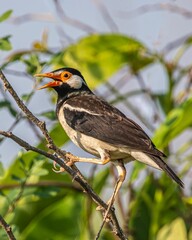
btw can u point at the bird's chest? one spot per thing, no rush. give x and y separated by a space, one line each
83 141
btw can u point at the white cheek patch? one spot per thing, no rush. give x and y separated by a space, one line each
75 82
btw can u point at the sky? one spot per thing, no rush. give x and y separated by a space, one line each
156 29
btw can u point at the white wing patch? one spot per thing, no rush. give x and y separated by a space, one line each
78 109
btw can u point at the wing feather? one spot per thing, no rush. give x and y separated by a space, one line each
96 118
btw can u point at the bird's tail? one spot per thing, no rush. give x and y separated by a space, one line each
162 165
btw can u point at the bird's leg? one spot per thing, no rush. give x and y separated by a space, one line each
105 158
122 174
121 177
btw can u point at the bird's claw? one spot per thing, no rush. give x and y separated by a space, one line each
57 170
61 169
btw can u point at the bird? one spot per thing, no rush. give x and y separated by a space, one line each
100 128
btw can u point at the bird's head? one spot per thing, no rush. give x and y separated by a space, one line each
64 80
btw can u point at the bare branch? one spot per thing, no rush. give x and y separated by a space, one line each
176 43
73 22
7 228
43 184
108 19
156 7
32 17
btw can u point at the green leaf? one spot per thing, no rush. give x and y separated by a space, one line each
33 63
136 170
5 15
98 57
100 180
172 231
49 114
26 97
59 220
5 44
155 203
178 120
16 178
1 169
7 104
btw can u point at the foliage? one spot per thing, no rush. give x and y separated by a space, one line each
37 202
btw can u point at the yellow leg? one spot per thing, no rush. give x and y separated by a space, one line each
105 158
122 174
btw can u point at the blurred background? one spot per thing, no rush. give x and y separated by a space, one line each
136 55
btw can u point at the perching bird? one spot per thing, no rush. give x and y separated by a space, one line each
101 129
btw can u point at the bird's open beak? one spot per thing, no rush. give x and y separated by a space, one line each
55 83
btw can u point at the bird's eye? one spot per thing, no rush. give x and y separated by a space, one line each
65 76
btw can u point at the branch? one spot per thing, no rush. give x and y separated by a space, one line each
73 22
43 184
74 172
106 16
7 228
32 17
156 7
176 43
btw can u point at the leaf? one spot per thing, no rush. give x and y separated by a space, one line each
59 220
5 15
136 170
100 180
172 231
175 123
1 169
27 96
7 104
100 56
155 203
49 114
58 135
33 63
5 44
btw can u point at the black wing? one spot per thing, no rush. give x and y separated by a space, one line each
96 118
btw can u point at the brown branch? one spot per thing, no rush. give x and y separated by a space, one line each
7 228
43 184
74 172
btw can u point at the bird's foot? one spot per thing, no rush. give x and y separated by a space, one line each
56 169
61 169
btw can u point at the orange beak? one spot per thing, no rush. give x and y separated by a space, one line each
55 83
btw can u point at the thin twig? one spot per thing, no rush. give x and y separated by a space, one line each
106 16
73 22
176 43
156 7
32 17
7 228
149 94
